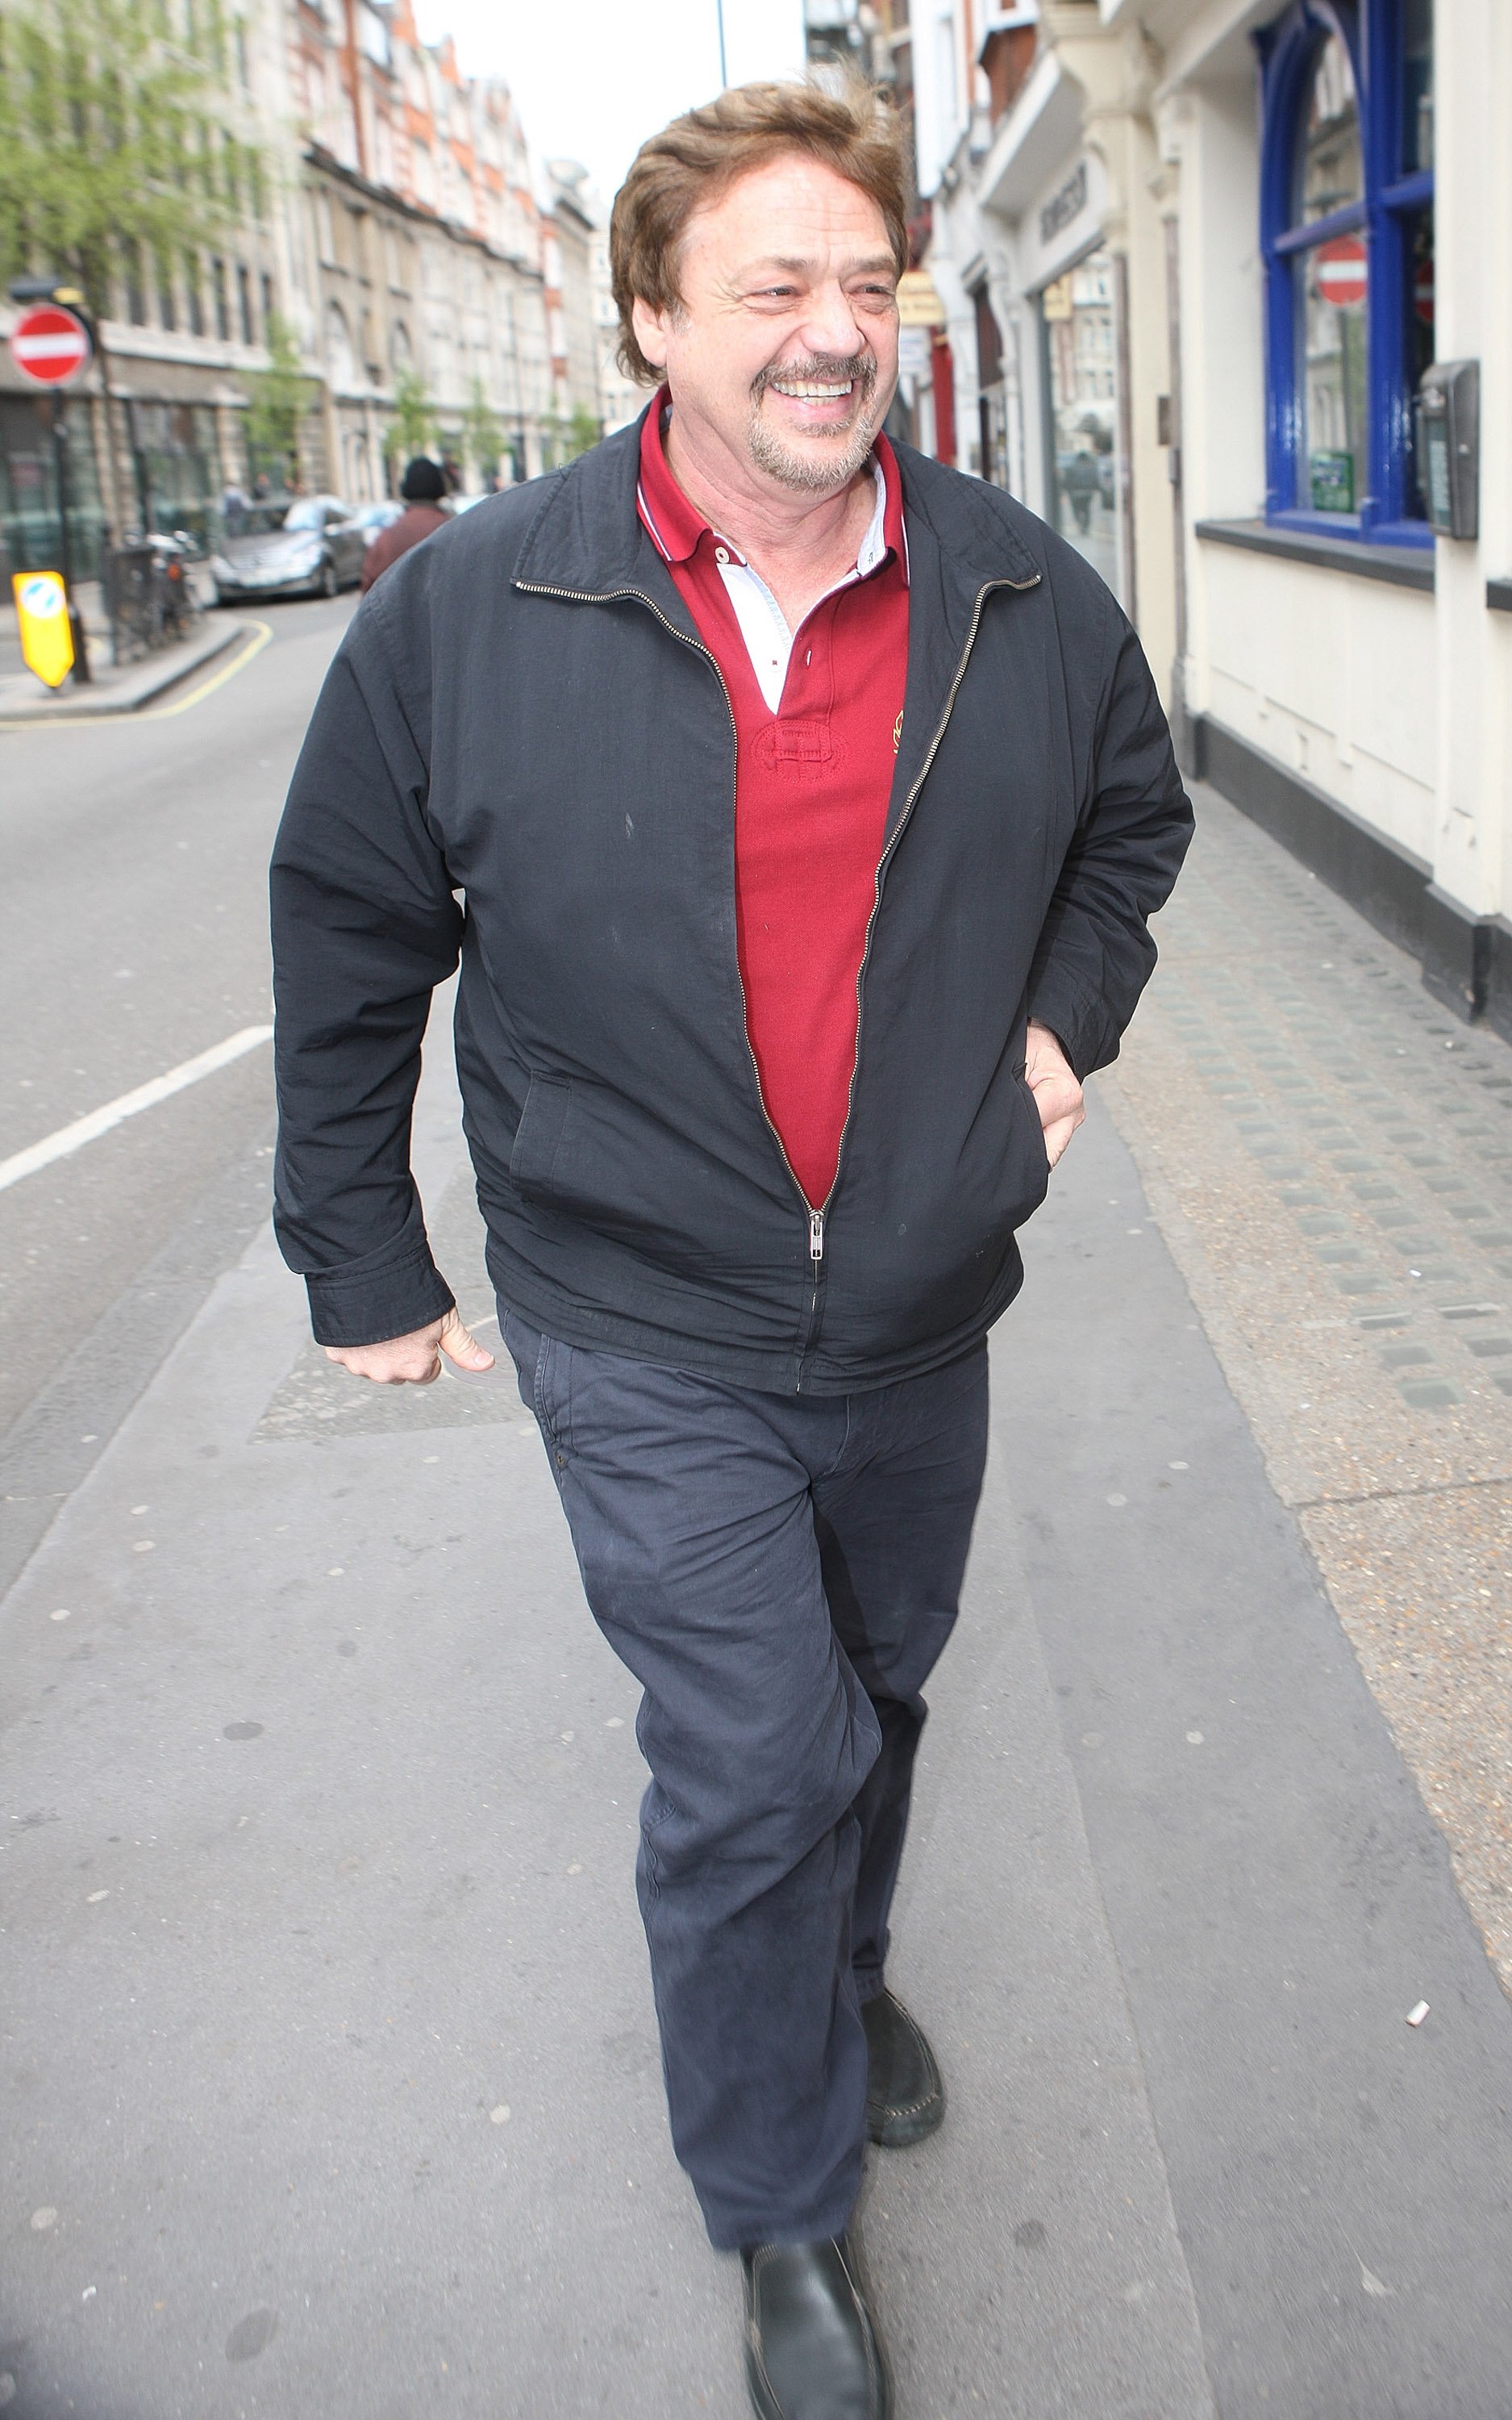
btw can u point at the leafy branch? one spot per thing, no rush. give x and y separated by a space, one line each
113 139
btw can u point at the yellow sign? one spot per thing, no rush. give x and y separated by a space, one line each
1054 301
918 300
42 611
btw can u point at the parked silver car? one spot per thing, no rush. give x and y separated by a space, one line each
312 547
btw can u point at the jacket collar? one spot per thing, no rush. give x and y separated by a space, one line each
588 540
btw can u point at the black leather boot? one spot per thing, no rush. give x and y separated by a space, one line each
905 2095
811 2352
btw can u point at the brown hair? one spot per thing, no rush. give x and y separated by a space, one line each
696 159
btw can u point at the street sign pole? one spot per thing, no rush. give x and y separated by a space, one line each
52 344
82 673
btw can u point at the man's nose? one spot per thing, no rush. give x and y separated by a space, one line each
830 325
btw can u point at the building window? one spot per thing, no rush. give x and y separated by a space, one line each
244 302
270 308
167 317
1082 420
339 357
136 295
1346 234
223 308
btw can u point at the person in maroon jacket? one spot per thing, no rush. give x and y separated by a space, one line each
422 487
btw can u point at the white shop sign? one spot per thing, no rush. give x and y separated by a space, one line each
1063 220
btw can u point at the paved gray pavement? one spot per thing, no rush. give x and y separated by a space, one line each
124 687
135 869
1329 1155
330 2076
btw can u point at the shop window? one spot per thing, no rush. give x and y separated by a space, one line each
1076 315
992 450
175 460
28 486
1346 234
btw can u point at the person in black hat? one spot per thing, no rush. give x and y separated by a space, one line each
422 487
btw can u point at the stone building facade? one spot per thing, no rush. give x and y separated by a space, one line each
394 228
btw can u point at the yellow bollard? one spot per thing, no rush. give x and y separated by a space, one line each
42 611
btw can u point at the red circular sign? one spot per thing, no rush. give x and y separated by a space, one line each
50 345
1340 271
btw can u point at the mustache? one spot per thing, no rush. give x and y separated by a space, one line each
821 369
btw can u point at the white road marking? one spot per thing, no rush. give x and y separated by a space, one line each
146 1096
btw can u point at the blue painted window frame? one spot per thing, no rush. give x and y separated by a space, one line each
1371 33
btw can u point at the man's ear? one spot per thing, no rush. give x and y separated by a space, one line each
651 328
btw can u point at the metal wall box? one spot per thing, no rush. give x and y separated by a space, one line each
1448 447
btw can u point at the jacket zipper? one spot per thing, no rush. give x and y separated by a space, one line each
817 1237
816 1216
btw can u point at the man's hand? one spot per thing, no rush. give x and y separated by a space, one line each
1058 1095
415 1361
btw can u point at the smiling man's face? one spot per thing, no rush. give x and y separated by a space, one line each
783 356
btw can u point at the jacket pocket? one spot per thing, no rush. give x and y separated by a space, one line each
538 1136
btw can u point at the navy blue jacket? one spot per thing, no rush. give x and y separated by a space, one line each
524 754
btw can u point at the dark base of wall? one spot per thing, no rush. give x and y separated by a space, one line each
1466 960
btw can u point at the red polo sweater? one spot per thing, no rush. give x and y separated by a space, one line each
812 781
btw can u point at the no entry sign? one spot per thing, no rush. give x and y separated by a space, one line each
1341 270
50 345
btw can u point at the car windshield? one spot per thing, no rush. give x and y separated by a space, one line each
308 515
265 521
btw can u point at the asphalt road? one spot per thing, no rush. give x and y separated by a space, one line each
135 937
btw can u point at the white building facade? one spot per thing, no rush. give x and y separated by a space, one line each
1196 259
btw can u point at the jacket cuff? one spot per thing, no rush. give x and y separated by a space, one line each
376 1305
1077 1020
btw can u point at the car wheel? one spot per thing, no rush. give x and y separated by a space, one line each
330 585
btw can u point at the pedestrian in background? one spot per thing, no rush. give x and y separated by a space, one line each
809 801
422 487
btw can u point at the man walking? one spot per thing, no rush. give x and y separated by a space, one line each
422 488
809 802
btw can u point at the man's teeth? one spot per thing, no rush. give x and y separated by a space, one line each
808 390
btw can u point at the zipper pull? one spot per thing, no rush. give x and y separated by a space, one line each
816 1236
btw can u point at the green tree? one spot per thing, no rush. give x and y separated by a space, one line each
112 139
482 432
562 441
412 424
280 397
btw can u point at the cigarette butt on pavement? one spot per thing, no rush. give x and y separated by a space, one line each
1415 2016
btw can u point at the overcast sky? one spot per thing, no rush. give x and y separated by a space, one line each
593 78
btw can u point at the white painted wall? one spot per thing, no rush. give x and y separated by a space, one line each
1334 676
1396 703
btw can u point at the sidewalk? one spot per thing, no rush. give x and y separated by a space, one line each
333 2083
112 688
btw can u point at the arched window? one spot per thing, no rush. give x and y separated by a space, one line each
339 359
1347 237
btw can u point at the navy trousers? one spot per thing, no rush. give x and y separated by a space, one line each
779 1572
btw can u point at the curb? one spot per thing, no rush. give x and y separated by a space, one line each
140 686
